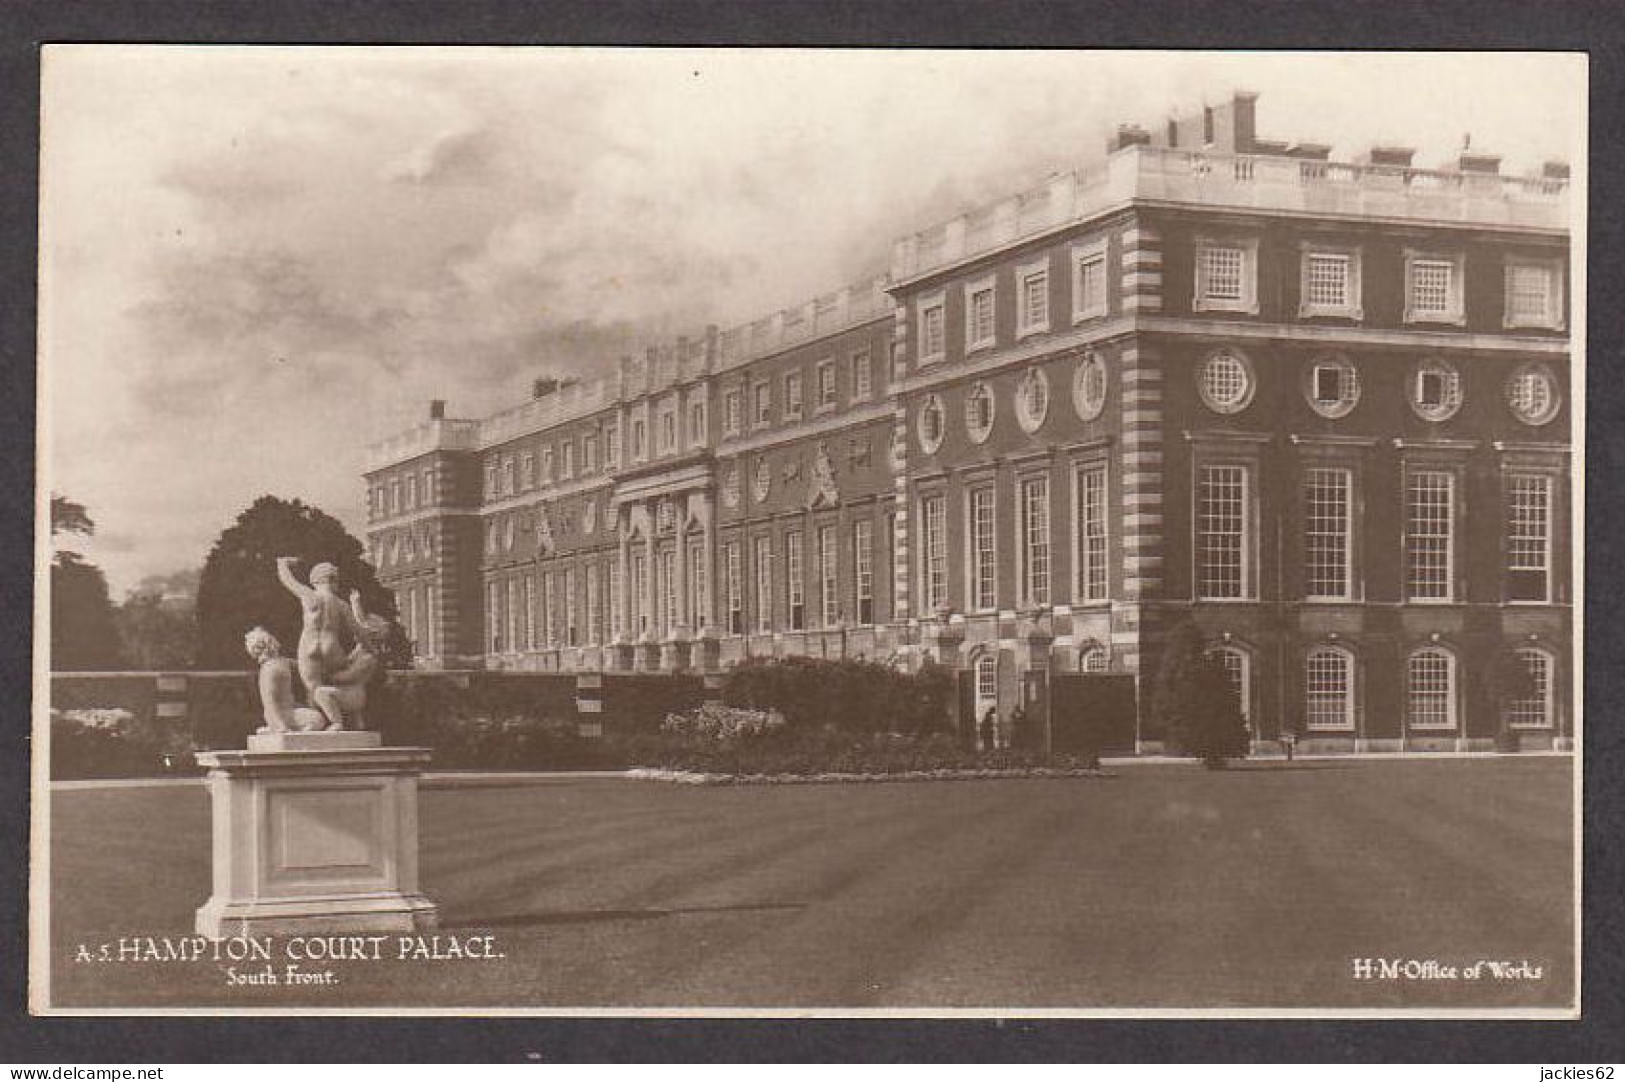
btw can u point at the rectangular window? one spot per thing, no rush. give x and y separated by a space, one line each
1091 527
934 535
595 611
1327 510
828 586
1326 280
1223 273
792 395
732 414
984 568
696 424
699 610
1328 678
1429 533
411 491
764 403
571 628
1529 537
514 615
1431 690
1433 288
826 385
508 485
764 583
490 483
530 612
567 460
547 465
493 616
617 600
735 587
1089 282
640 440
1033 299
795 581
1035 541
1532 295
1222 529
612 446
589 453
979 315
863 565
640 593
932 342
666 587
862 375
668 430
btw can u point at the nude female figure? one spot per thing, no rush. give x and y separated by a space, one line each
331 628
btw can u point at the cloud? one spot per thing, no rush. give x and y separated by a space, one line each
303 246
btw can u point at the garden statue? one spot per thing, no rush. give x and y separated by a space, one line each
281 710
331 629
342 699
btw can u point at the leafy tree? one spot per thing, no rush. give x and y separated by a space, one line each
239 589
1195 701
82 634
155 635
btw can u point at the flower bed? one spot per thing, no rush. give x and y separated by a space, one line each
692 777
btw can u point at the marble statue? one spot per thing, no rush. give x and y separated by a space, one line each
281 709
331 629
342 698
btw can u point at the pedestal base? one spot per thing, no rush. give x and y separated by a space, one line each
315 833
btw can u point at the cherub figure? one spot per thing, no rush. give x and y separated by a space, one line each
281 710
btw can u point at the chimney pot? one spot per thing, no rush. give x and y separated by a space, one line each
1556 169
437 409
1394 156
1470 162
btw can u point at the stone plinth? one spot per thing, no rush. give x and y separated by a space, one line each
315 833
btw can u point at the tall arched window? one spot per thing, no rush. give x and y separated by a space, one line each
1238 667
1430 699
1328 682
1535 710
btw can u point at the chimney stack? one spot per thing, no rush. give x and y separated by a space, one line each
1556 169
437 409
1397 157
543 385
1470 162
1128 135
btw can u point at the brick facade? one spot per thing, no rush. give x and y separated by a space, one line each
1226 380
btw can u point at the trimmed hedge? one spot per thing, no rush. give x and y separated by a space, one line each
854 696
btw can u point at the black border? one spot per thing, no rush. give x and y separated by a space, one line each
1594 27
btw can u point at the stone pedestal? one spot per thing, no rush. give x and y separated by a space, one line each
315 833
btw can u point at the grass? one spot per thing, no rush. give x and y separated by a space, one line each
1166 886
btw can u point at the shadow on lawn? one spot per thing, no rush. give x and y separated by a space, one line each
592 916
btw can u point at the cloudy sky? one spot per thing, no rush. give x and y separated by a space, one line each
257 260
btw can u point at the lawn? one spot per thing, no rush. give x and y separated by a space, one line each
1165 886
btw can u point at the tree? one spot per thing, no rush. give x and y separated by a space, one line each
239 589
1195 700
155 635
83 637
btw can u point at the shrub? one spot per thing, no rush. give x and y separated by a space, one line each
717 722
103 743
856 696
1195 701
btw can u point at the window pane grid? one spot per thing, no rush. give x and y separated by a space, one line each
934 524
1092 534
984 567
1529 291
1431 690
1430 285
794 581
1222 526
863 568
764 584
1529 518
1035 540
1534 712
1326 532
1328 280
1035 299
1092 285
1429 529
981 315
1222 273
1328 690
829 599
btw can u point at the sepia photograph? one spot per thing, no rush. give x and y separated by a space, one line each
809 532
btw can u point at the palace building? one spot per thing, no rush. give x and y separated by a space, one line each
1322 408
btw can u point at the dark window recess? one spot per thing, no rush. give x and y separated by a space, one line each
1328 385
866 611
1526 585
798 617
1207 125
1430 389
736 622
